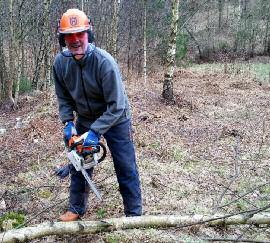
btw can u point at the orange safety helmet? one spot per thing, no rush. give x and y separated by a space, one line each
73 21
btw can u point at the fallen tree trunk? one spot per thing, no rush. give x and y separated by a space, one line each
93 227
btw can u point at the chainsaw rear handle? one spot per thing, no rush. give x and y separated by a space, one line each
92 148
104 152
75 144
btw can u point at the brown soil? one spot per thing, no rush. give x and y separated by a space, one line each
199 155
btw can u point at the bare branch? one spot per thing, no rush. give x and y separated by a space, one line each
94 227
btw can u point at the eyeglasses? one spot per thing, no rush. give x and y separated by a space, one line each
74 36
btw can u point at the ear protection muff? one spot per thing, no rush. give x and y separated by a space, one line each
91 38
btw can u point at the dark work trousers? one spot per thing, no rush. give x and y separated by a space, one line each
119 141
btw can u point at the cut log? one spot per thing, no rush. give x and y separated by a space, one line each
94 227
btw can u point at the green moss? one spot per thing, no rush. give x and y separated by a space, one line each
265 190
242 205
113 239
177 153
44 193
11 220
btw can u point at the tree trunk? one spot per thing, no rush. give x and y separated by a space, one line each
242 6
266 41
46 60
220 10
167 93
11 76
114 28
129 49
113 224
39 55
3 71
145 43
18 48
19 72
82 5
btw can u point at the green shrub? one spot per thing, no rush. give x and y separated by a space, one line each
25 85
181 46
223 46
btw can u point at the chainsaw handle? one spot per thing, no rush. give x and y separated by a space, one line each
74 146
96 149
104 152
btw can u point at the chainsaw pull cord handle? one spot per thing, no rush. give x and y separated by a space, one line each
103 156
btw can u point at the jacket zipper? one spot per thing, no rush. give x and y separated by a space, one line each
84 92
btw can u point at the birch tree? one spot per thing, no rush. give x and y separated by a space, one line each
47 50
11 75
167 93
3 63
220 10
144 42
114 27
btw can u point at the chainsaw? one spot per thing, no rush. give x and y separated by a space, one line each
85 157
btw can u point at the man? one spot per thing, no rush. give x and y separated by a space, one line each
88 83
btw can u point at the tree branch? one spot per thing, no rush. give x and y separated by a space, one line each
93 227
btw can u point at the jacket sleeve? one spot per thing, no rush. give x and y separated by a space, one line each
65 101
114 96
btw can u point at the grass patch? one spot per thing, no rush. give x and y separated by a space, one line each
177 153
155 145
260 71
101 213
11 220
192 165
113 239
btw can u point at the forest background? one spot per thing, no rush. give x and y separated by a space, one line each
212 30
206 152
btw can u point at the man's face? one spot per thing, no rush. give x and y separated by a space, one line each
77 43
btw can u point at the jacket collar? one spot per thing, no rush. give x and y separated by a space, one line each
90 48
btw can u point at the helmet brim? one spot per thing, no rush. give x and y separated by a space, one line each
73 30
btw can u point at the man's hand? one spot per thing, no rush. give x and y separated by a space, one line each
63 171
69 131
90 138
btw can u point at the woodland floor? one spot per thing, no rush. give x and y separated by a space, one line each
207 153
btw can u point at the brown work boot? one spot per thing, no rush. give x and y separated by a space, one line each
69 216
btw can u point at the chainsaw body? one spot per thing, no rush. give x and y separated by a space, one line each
83 158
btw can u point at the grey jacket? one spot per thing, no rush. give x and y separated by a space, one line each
92 88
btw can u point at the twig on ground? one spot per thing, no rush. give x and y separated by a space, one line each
41 212
234 193
105 178
262 141
243 195
249 214
236 172
234 240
